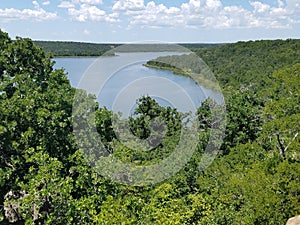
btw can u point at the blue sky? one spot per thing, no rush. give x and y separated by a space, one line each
205 21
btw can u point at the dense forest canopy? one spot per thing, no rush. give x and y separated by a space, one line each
44 178
68 49
253 62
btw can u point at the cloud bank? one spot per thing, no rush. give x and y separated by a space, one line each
211 14
38 14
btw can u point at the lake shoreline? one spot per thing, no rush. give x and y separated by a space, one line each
179 72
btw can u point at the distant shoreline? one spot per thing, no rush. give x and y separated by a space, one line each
78 57
67 49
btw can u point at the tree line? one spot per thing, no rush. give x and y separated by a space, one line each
77 49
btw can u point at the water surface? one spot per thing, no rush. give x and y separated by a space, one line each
118 81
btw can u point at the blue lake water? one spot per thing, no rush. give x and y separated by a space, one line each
118 81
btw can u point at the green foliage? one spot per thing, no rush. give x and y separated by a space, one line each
255 180
282 113
180 64
243 118
104 126
189 65
159 128
66 49
148 109
38 155
250 63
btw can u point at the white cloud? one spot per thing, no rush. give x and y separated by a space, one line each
113 17
36 4
173 10
213 4
46 3
278 13
74 3
128 5
210 14
195 13
87 10
157 16
65 4
293 4
191 6
90 2
280 3
260 7
37 14
91 13
195 3
192 13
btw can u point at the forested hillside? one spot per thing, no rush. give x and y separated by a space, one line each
252 62
69 49
44 178
64 48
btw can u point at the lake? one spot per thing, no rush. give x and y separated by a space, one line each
118 81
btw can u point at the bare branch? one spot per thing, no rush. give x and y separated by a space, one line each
9 165
286 148
281 148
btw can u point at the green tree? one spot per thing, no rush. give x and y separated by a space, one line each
282 113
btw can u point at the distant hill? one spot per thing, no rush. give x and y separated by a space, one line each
68 49
63 48
192 46
245 63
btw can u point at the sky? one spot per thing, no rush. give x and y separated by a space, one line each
131 21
